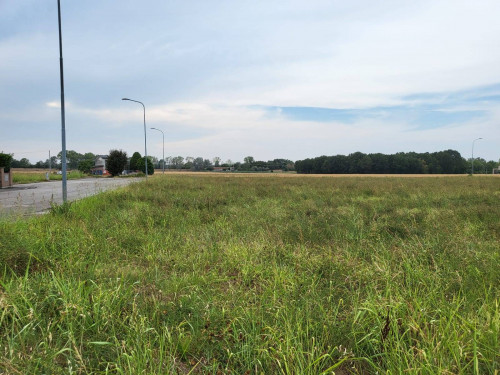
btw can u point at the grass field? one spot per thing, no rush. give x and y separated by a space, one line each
214 274
28 175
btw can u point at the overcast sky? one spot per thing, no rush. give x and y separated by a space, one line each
271 79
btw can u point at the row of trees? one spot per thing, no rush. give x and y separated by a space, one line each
193 163
248 164
85 162
138 163
118 161
448 162
74 160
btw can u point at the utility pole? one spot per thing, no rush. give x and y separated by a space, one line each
472 161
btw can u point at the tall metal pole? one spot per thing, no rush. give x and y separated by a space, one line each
163 136
145 147
472 161
63 121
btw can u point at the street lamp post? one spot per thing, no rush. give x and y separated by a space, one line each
145 147
163 136
472 161
63 119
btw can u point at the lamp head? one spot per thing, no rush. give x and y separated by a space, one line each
125 99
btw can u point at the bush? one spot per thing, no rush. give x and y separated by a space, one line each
85 166
141 165
5 160
117 160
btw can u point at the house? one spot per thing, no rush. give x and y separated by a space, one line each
496 170
99 168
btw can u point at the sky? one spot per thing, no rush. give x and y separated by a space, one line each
269 79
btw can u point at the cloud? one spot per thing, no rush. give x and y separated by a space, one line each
53 104
273 79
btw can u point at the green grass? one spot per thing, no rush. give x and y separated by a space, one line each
258 275
30 177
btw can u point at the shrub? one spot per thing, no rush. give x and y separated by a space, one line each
141 165
117 160
5 160
86 165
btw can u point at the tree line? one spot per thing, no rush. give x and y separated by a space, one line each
74 160
447 162
86 161
249 164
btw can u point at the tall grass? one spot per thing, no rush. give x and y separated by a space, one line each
249 275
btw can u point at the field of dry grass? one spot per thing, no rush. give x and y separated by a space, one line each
295 175
31 170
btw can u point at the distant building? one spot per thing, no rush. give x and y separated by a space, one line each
496 170
99 168
223 169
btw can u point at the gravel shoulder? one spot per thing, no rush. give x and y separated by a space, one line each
38 197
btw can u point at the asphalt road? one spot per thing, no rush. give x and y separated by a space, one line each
38 197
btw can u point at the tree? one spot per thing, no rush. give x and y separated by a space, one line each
177 162
451 161
40 164
283 164
117 160
86 165
198 164
249 160
72 158
86 162
141 164
216 161
5 161
207 164
133 161
89 156
490 165
168 162
23 163
53 162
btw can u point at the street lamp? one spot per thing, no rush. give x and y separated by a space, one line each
145 148
63 118
163 135
472 161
